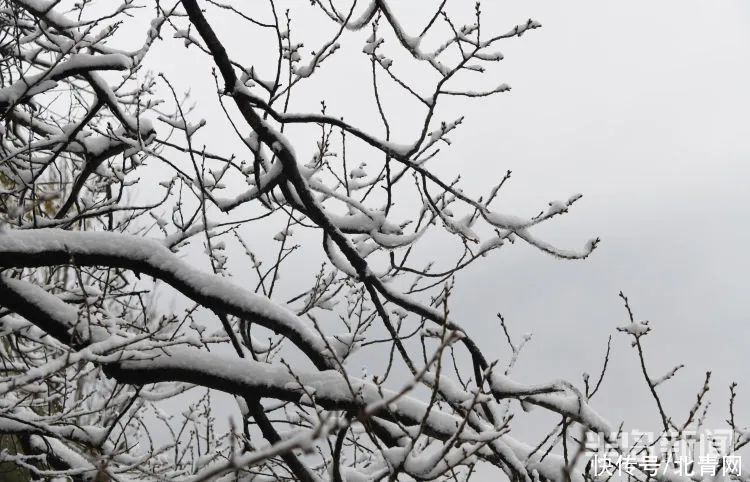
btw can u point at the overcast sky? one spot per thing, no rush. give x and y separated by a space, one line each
642 107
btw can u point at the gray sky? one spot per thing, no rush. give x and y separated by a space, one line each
642 107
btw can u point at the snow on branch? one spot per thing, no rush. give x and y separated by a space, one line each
315 251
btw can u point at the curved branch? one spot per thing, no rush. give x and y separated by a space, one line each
51 247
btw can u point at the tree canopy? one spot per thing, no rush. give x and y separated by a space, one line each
114 189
